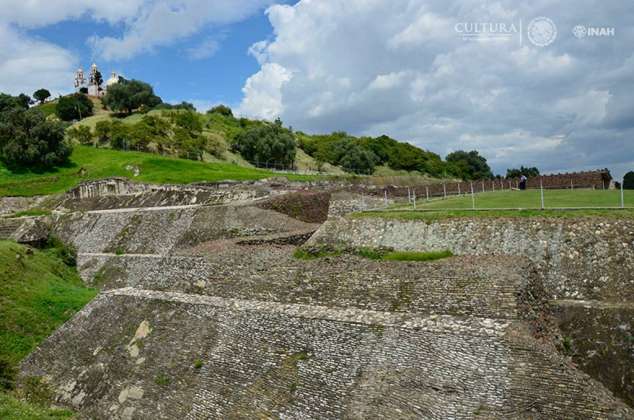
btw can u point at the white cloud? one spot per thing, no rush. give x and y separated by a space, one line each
207 49
163 22
28 64
262 92
379 66
33 13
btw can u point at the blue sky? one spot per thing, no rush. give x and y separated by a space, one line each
554 93
216 77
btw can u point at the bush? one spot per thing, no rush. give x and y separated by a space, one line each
469 165
222 110
267 145
28 139
216 147
80 133
74 107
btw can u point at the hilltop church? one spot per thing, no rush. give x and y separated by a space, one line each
94 82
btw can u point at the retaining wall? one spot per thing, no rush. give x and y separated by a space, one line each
586 258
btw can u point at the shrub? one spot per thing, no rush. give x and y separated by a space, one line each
74 107
65 252
80 133
469 165
28 139
269 144
216 147
222 110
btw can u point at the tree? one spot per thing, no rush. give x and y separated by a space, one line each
80 133
8 102
127 96
42 95
531 172
354 158
222 110
469 165
103 131
628 181
74 107
267 145
28 139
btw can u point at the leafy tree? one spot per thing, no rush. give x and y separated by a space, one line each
8 102
103 131
42 95
354 158
98 79
28 139
188 120
628 181
531 172
222 110
74 107
269 144
126 96
469 165
80 133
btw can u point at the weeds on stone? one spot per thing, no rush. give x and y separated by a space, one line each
198 364
311 253
119 251
162 379
378 254
417 256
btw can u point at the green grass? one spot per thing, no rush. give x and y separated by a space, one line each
48 108
30 212
416 256
38 292
103 163
433 215
530 199
13 409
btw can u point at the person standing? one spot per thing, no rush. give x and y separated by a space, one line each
523 180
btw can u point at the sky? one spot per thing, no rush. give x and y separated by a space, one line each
544 83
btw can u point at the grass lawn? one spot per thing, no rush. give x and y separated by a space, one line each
103 163
530 199
13 409
433 215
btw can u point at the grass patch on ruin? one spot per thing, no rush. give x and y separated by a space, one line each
29 213
434 215
39 291
15 409
379 254
88 163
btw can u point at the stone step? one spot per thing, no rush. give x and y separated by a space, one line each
165 355
484 287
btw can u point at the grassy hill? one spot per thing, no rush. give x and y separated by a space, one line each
89 163
38 293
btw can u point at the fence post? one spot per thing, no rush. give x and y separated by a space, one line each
458 189
622 196
409 195
541 190
572 186
385 194
482 186
472 197
444 191
427 192
414 199
493 185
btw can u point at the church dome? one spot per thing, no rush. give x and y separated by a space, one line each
114 79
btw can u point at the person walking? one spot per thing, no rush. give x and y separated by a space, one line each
523 180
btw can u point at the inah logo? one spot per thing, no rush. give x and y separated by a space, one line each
542 31
581 31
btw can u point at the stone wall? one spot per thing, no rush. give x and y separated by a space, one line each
586 258
160 231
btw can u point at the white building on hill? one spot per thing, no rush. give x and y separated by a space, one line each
95 82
